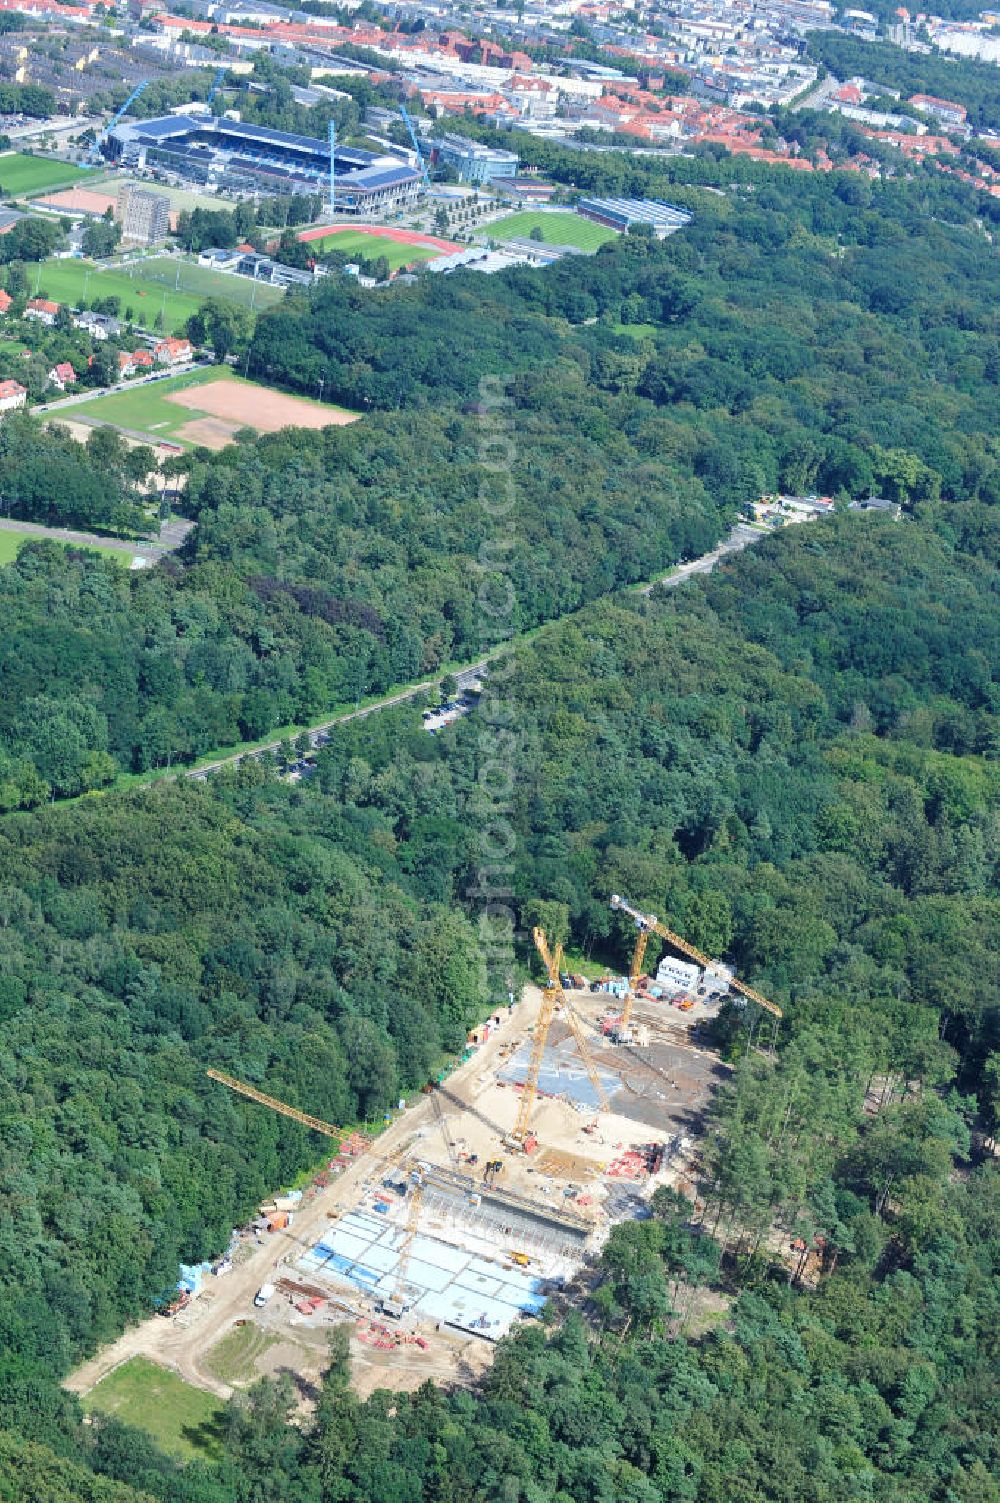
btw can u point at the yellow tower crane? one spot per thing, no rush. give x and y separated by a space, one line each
542 1024
647 924
396 1305
635 971
553 993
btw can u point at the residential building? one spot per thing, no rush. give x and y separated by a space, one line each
474 162
173 351
139 360
99 326
62 375
942 109
42 309
6 301
143 216
12 395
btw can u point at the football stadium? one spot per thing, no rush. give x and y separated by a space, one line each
246 158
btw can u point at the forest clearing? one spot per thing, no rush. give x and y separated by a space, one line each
526 1230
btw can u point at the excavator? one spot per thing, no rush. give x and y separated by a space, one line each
648 924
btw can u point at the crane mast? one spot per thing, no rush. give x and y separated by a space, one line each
553 965
651 925
216 84
416 1195
635 971
542 1024
421 161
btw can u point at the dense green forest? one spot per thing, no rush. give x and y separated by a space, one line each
795 762
826 334
900 327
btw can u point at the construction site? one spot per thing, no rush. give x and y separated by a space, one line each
490 1191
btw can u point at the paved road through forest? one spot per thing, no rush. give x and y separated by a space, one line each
740 537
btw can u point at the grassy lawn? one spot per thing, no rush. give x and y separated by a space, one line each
182 1419
637 331
188 276
179 198
148 288
22 175
357 243
233 1358
558 227
146 408
12 542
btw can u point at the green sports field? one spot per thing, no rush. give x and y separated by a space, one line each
558 227
637 331
159 284
22 175
189 277
357 243
12 542
184 1420
145 408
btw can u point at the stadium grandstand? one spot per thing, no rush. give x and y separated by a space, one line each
622 213
230 154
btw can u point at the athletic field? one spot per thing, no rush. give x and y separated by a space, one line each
157 284
400 248
207 408
22 175
558 227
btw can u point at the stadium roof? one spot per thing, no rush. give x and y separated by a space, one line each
662 216
165 126
234 146
380 177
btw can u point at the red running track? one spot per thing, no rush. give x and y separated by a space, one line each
382 232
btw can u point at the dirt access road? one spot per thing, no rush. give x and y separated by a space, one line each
181 1342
